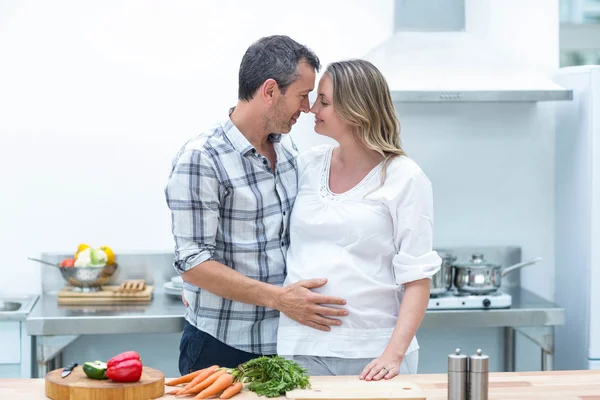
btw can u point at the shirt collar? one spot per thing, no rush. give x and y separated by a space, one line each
238 140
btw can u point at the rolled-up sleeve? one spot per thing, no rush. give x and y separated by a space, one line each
413 227
192 195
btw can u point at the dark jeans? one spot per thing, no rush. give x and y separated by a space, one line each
198 350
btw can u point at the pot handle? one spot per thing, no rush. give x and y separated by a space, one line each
520 265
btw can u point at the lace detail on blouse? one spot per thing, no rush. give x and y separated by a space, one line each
324 187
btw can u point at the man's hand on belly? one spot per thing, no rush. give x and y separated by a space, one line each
301 304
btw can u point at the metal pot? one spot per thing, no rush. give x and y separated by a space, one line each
481 277
441 282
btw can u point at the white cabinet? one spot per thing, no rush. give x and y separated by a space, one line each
15 350
10 371
10 337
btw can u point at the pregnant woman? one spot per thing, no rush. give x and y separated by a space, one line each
363 219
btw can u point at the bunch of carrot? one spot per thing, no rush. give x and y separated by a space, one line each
208 382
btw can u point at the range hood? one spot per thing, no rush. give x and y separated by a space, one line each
429 64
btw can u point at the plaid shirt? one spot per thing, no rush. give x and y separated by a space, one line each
228 206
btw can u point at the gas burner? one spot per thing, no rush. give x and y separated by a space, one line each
465 294
455 300
440 295
462 294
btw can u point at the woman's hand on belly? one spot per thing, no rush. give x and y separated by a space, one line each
300 303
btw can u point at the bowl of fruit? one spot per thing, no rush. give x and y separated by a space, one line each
89 269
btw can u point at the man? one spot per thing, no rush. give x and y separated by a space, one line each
231 192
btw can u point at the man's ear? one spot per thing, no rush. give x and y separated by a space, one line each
269 91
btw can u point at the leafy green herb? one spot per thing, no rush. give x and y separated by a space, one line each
273 376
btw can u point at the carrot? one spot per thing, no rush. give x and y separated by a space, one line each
222 383
205 383
232 390
185 378
206 372
174 391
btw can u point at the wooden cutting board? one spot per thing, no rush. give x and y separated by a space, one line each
108 295
77 386
350 387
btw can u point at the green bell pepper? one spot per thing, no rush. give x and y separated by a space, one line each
95 369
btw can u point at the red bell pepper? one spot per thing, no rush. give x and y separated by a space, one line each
125 367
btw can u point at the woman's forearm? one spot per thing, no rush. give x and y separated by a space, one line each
412 310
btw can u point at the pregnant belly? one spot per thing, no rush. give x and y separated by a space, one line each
368 307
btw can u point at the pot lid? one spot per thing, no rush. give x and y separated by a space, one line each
477 261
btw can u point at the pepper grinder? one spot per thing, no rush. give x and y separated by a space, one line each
478 376
457 376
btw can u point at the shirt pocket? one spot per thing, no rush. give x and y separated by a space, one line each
243 210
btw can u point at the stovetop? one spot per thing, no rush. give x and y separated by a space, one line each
455 300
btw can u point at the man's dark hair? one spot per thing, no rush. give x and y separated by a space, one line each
272 57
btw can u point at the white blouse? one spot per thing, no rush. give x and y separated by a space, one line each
367 242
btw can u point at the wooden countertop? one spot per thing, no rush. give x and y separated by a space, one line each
565 385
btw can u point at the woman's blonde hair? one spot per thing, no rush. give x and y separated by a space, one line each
361 98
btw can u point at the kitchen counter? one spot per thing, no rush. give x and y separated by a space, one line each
54 327
163 314
565 385
166 314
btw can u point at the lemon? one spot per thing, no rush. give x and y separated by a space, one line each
81 248
110 255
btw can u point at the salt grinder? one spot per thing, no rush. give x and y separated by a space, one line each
457 376
478 376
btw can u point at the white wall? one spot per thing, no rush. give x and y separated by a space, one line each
491 167
97 97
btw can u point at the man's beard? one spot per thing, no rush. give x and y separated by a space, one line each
277 122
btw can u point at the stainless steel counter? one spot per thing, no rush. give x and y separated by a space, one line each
16 308
166 314
163 314
527 310
54 327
